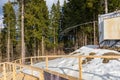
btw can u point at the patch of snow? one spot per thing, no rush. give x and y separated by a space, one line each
85 50
92 70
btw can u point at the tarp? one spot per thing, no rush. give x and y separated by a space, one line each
49 76
112 28
109 29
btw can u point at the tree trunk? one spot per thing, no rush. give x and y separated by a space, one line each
94 33
85 39
91 41
38 49
11 48
22 32
76 40
42 45
0 45
106 6
54 42
8 44
35 48
80 40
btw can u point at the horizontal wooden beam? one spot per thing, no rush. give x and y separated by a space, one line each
54 56
65 56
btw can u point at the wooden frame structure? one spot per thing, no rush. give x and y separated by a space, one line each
17 65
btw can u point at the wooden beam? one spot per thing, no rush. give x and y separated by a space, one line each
100 57
46 62
80 68
31 61
52 72
4 71
14 71
41 75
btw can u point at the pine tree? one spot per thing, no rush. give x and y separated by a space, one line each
55 23
36 25
10 22
113 5
80 11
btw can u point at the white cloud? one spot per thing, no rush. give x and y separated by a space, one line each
1 13
2 2
1 5
1 21
50 3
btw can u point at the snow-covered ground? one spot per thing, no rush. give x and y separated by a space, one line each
92 70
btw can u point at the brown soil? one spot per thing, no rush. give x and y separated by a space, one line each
106 60
88 59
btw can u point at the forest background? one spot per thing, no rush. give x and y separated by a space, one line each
31 29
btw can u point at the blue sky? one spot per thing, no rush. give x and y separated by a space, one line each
1 4
49 3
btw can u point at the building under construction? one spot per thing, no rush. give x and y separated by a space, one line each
109 29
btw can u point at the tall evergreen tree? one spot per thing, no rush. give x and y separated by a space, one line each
10 22
113 5
77 12
36 25
55 23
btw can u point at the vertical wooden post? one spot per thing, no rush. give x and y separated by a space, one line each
20 61
31 61
42 44
6 67
14 71
10 67
15 61
46 62
80 68
4 71
41 75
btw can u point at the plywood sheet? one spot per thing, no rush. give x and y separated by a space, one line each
112 28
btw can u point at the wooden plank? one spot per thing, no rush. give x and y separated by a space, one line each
100 56
41 71
14 72
31 61
80 68
4 71
70 56
20 61
65 56
46 62
59 56
26 66
41 75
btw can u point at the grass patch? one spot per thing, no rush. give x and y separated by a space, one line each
111 48
88 59
106 60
